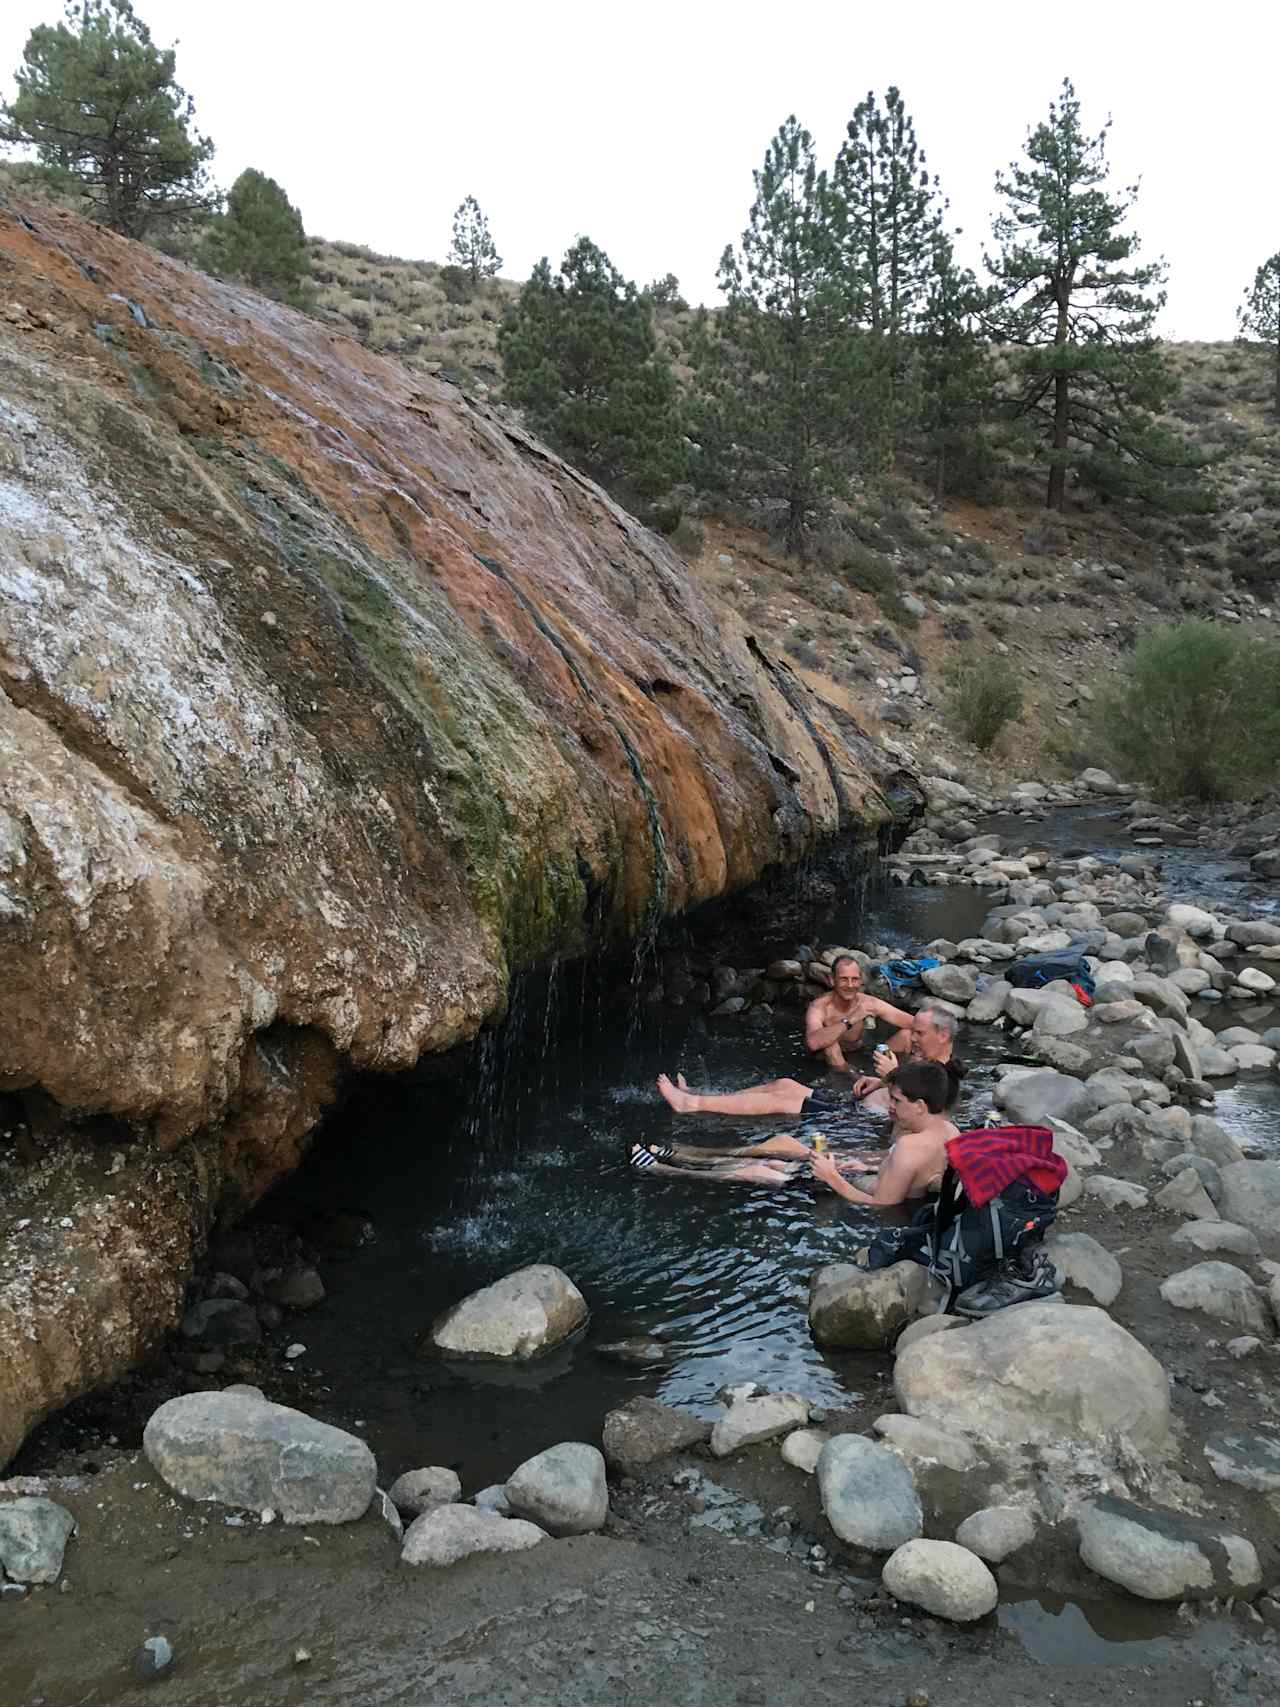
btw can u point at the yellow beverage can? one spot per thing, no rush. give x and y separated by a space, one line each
819 1142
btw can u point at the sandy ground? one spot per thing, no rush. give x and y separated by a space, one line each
661 1609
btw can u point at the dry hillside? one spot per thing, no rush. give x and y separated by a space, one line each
1065 596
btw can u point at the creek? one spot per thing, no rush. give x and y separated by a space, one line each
521 1158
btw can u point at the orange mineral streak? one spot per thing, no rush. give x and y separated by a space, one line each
472 669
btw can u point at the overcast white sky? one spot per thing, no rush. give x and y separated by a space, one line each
640 125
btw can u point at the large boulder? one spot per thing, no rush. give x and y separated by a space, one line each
946 1580
1036 1375
563 1489
868 1494
644 1430
1251 1196
240 1450
1040 1096
1165 1555
860 1310
448 1533
518 1316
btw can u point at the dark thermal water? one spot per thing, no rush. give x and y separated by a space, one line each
522 1158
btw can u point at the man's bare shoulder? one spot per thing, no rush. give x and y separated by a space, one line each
819 1005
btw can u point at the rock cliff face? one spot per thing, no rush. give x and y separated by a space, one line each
328 698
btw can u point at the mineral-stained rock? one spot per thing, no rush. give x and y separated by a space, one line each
518 1316
1039 1374
337 699
243 1451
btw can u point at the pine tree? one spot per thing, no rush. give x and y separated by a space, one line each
1259 313
777 372
580 358
957 387
887 207
260 239
97 101
1091 377
473 248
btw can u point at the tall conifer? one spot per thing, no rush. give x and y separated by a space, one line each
777 372
1259 313
1081 309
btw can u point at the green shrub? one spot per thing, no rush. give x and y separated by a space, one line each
871 573
1198 712
983 694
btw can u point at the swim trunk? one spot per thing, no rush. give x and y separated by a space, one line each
826 1101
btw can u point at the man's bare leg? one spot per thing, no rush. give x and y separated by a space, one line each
779 1096
877 1100
779 1145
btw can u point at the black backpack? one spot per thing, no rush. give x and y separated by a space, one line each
1035 970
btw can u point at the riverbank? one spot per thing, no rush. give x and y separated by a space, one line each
660 1608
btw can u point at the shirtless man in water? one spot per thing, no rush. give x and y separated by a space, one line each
932 1038
918 1093
839 1017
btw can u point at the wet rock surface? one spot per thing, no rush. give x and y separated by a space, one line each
519 1316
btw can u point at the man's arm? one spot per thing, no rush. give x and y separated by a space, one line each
893 1186
895 1016
819 1032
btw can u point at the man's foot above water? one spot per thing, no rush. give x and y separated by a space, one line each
677 1095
